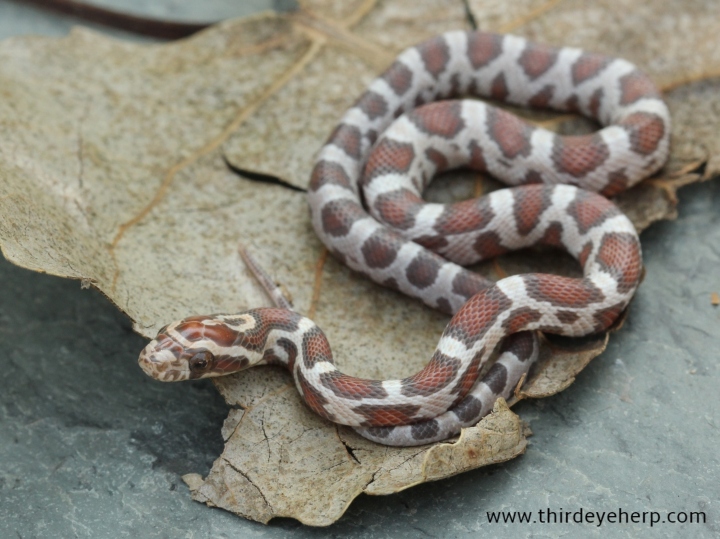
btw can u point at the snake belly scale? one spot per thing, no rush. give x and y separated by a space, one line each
366 207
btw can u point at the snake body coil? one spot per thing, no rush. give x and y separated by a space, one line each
402 131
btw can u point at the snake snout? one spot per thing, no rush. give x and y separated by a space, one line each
161 364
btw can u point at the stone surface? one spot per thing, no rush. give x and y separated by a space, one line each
101 454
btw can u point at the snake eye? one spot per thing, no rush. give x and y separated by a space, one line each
201 361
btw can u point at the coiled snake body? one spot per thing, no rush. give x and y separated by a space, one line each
391 146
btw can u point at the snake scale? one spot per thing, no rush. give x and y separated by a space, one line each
366 207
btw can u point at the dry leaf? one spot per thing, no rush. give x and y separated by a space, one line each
114 159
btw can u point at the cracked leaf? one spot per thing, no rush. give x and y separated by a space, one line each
114 159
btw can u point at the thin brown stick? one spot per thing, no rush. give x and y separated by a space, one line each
317 286
534 14
158 28
267 283
501 273
689 79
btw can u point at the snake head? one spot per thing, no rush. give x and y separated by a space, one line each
195 347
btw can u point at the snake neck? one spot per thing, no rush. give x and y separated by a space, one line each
274 336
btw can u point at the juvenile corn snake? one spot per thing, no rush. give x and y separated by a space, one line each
406 128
